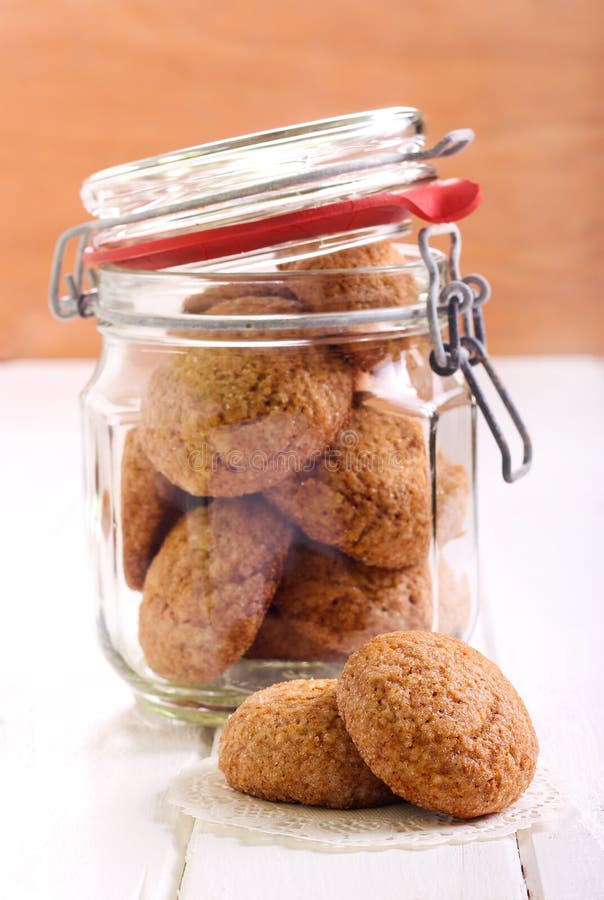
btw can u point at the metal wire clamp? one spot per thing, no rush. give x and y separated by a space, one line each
463 299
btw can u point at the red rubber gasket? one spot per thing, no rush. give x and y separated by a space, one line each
436 201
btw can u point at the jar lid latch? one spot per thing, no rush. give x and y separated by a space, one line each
463 298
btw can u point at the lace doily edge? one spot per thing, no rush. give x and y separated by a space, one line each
540 817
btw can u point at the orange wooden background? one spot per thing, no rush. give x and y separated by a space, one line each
90 84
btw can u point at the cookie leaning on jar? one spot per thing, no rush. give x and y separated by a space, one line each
432 719
288 743
438 722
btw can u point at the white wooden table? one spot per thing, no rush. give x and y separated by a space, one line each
83 772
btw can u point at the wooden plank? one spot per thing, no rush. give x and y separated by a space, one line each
83 775
223 867
563 865
542 546
83 772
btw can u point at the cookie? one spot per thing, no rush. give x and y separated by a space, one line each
281 638
226 421
209 586
369 493
257 306
287 742
338 603
254 306
452 498
218 293
344 280
150 506
454 601
438 723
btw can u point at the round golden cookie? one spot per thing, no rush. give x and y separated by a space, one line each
287 742
150 505
369 493
452 498
339 604
438 722
226 421
208 588
218 293
344 280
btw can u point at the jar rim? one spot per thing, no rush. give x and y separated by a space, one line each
173 286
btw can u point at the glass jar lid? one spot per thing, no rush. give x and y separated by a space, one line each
236 196
204 205
302 160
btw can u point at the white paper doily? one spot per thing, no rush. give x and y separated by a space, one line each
203 793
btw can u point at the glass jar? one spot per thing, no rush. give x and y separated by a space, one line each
277 468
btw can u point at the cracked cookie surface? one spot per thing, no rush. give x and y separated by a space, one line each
438 722
369 494
338 604
354 279
226 421
344 280
287 742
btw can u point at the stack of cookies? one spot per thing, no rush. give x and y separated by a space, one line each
269 507
417 716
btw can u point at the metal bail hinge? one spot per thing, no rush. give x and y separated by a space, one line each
463 298
78 301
